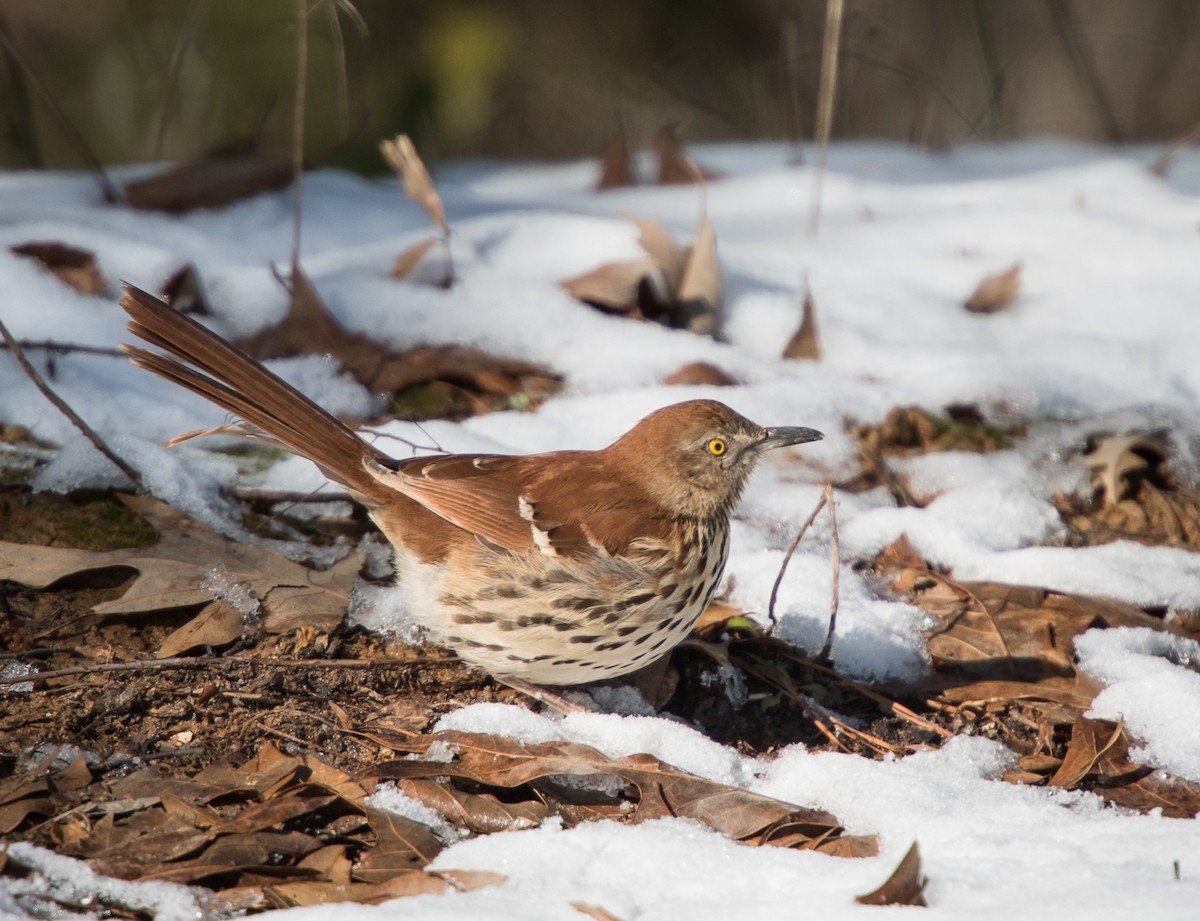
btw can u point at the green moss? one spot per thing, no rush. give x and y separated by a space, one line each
87 519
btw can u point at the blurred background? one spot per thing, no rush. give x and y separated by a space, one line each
179 79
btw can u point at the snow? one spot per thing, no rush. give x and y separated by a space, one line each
1103 337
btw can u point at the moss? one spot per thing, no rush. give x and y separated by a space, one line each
87 519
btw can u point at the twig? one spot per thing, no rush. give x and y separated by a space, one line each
298 131
66 348
185 662
827 648
825 96
88 432
892 706
787 557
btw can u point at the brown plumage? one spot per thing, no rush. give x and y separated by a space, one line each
556 568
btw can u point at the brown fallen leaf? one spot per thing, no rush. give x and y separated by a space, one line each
996 292
70 264
699 374
210 183
216 625
614 287
701 290
663 790
185 292
805 343
616 166
410 258
675 167
595 912
1133 497
401 155
459 380
1097 759
403 844
178 571
905 886
1090 740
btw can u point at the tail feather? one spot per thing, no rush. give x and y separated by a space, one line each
220 372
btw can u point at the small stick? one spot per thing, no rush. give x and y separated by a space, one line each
837 570
89 433
178 662
66 348
826 91
787 557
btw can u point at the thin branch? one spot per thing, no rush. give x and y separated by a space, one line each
298 130
186 662
827 648
787 557
65 348
38 381
825 96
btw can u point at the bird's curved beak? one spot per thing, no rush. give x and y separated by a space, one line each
784 435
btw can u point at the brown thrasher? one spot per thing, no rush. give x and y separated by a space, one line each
558 568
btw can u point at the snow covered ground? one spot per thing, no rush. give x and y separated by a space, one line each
1104 337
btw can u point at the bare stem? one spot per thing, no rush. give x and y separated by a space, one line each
298 130
827 648
787 557
825 97
38 381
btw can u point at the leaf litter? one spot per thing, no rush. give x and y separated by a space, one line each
250 773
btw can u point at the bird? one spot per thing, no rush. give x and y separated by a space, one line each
553 569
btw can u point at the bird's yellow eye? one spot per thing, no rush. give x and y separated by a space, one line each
716 447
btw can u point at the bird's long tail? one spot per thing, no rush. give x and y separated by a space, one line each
220 372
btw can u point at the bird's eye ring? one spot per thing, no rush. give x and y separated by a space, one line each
717 447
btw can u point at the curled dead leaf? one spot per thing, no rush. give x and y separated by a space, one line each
217 625
699 374
211 183
905 886
806 341
996 292
616 166
401 155
70 264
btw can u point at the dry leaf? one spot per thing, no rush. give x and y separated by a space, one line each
70 264
996 292
411 257
1118 465
178 571
662 790
669 258
904 887
616 166
1098 759
1133 496
701 292
675 167
466 381
207 183
699 374
215 626
595 912
403 844
806 341
612 286
401 155
185 292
